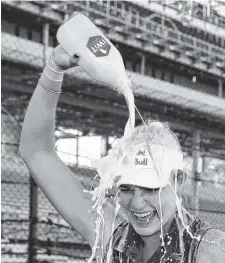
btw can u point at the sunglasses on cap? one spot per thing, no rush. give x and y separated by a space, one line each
130 187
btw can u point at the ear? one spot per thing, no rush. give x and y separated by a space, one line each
180 176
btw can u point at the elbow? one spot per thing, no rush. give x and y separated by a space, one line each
26 148
34 142
25 145
23 150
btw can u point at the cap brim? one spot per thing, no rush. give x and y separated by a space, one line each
147 178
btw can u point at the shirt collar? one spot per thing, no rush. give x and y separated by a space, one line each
128 242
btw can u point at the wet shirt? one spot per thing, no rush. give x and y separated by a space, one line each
127 244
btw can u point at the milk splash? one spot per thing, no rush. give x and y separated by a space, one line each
99 198
110 251
161 226
99 223
179 209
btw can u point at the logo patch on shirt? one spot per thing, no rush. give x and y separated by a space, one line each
98 46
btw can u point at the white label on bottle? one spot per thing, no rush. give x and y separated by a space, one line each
98 46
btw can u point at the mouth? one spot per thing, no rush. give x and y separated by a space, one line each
144 218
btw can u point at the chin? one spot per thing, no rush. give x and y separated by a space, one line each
148 231
147 228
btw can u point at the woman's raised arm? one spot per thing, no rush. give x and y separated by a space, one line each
37 148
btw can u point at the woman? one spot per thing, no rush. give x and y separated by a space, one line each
144 169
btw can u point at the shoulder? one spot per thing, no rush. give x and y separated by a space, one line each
212 247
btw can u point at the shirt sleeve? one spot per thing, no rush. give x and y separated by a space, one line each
212 247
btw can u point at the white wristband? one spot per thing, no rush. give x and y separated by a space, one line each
51 77
58 70
50 90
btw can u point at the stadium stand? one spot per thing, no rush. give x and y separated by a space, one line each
177 65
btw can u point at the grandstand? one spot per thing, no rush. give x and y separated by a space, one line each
175 56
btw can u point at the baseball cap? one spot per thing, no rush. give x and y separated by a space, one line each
148 166
151 166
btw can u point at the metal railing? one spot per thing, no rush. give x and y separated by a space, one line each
28 52
133 22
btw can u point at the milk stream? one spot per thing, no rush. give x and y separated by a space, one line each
110 251
181 242
99 226
161 226
179 210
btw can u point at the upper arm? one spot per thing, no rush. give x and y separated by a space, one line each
66 193
212 247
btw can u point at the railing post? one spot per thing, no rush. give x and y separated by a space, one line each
77 150
104 146
45 41
108 9
204 164
66 16
32 221
220 88
87 7
143 63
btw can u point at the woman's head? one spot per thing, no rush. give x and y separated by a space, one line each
151 160
144 166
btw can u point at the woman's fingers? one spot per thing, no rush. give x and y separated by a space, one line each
74 60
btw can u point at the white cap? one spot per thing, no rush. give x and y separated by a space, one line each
146 166
150 167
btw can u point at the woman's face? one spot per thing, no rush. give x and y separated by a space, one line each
142 206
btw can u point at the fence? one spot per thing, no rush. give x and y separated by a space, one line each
32 230
26 213
31 227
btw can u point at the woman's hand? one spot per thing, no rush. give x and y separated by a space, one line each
62 59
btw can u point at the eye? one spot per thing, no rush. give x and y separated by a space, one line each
126 188
150 190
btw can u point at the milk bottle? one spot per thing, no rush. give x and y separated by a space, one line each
98 56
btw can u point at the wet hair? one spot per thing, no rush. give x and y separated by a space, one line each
154 132
182 177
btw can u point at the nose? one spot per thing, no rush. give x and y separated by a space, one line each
137 202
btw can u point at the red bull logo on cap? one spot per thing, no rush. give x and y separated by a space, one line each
98 46
142 159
